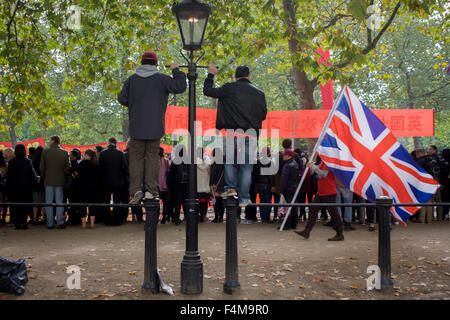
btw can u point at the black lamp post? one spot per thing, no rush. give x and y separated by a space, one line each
192 18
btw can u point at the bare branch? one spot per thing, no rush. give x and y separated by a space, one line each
373 44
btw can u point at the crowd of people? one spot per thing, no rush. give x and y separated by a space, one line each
144 172
102 176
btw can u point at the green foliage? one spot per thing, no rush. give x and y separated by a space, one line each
58 80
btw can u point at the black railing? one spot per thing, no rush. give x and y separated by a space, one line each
231 284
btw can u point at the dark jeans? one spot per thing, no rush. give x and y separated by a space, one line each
118 215
276 199
265 196
293 216
20 214
337 222
3 209
179 199
250 212
164 195
203 199
219 209
301 198
137 214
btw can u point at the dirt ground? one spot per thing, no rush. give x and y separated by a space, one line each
272 264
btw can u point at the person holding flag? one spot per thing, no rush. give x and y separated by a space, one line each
367 159
326 194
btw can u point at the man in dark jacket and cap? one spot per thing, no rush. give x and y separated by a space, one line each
146 94
243 107
113 169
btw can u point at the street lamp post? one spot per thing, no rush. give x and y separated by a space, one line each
192 17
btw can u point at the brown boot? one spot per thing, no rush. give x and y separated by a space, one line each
304 233
338 237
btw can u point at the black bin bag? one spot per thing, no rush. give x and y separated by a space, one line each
13 276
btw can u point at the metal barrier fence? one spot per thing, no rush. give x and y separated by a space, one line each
153 280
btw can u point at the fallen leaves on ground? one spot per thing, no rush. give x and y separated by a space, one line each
354 285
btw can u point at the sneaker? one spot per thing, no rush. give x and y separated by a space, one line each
244 204
229 193
52 227
246 221
61 226
148 196
138 196
371 229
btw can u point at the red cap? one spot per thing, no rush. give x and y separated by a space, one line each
149 56
288 152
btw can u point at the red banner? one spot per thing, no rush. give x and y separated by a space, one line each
309 123
120 145
327 89
32 143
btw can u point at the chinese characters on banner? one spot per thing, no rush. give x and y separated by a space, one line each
309 123
120 145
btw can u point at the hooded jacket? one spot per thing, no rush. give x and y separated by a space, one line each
146 94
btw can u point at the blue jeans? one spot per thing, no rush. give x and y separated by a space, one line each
346 196
239 176
265 196
54 193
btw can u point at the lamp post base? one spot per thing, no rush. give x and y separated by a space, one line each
191 274
231 287
153 287
387 286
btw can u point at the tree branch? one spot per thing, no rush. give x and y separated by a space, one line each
373 44
370 46
11 19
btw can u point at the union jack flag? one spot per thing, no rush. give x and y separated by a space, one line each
367 158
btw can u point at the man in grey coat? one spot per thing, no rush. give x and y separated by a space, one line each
146 94
54 167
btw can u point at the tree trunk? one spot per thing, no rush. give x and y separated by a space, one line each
411 105
125 127
304 86
125 119
12 133
11 126
214 103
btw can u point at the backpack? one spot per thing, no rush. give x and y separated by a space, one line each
444 171
436 167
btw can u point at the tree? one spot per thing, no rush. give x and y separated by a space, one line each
409 68
298 28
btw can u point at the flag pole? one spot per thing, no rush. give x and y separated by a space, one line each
319 141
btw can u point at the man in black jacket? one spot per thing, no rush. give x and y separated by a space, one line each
146 94
113 174
288 185
241 106
265 185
